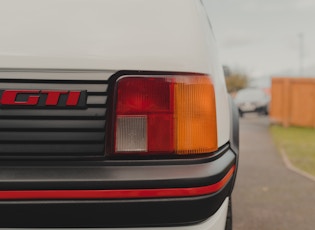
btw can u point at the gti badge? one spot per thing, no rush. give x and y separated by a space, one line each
45 99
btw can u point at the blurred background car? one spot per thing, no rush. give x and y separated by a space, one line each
252 100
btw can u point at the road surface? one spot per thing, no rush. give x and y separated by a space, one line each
267 195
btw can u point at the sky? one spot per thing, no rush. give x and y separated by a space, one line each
262 38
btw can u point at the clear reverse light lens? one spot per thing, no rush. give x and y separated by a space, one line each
131 135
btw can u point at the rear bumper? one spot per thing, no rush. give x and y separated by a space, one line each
182 207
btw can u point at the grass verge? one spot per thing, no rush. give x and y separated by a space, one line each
299 145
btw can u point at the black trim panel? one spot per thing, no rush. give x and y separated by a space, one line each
57 132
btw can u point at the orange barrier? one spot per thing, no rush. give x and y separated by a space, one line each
293 101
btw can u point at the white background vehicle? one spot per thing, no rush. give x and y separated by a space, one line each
114 114
251 100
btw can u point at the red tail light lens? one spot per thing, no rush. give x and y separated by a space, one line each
165 115
144 95
151 101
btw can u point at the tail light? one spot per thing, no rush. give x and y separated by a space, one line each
165 115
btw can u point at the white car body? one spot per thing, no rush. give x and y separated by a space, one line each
92 39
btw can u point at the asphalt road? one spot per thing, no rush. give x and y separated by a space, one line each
267 195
